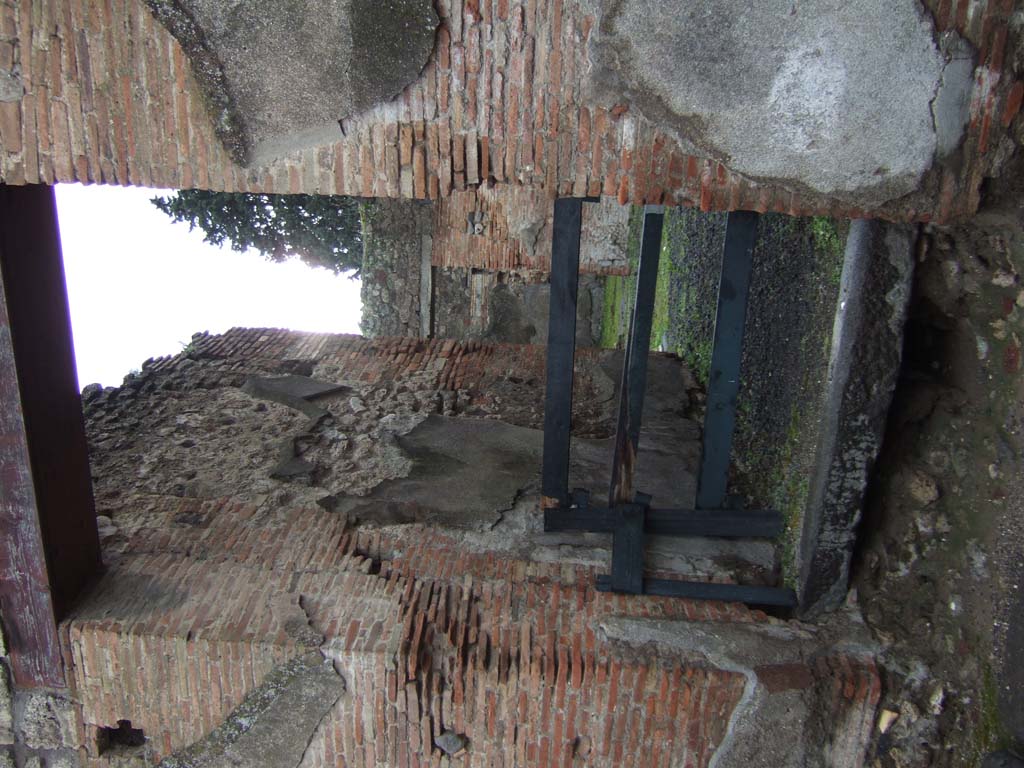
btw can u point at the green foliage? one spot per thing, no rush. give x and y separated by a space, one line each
990 733
829 244
789 485
620 294
826 238
611 311
321 230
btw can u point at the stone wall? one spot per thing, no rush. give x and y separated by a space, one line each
396 285
464 268
274 499
37 727
100 92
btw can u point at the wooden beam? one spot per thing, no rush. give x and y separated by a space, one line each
49 545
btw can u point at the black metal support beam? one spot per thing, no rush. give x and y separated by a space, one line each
634 369
565 266
628 549
696 590
717 523
724 378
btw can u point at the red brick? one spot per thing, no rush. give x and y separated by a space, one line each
784 677
10 126
1013 103
583 131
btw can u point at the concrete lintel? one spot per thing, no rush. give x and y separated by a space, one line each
867 344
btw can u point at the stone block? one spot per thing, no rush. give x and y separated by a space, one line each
46 721
6 707
867 344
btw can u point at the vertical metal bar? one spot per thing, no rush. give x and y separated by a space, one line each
628 550
724 379
634 368
565 267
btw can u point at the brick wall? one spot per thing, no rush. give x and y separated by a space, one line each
514 233
108 98
432 631
192 617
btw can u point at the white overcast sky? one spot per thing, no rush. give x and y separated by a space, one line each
139 285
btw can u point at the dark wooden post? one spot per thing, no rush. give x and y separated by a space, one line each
49 545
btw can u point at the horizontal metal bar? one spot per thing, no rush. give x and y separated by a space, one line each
719 523
698 590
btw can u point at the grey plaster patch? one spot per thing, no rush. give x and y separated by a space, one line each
273 726
296 392
952 103
11 88
6 706
278 76
449 458
45 720
822 96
